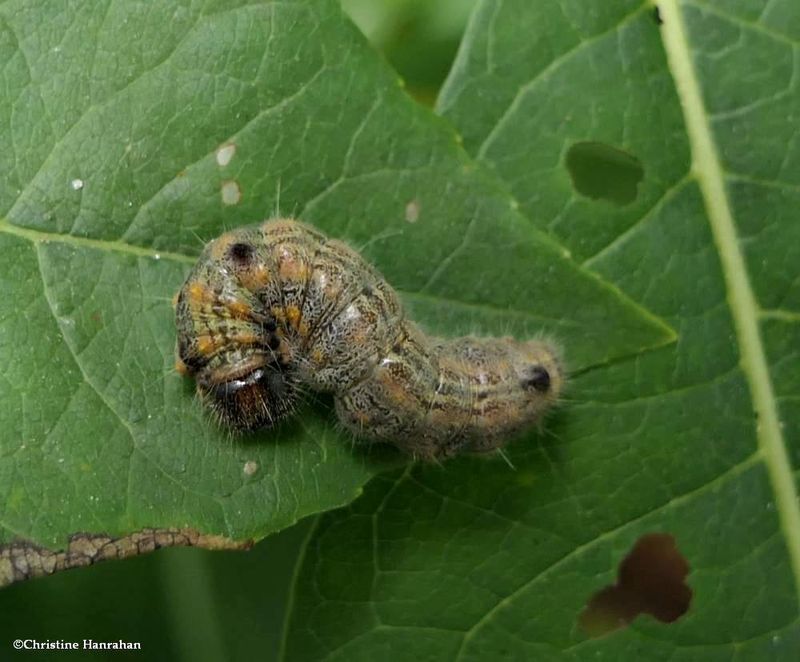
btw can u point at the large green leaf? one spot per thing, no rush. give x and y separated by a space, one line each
699 440
112 117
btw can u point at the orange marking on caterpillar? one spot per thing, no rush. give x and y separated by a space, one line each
221 245
200 294
244 338
255 278
206 345
239 310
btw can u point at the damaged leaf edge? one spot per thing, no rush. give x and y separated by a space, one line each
21 560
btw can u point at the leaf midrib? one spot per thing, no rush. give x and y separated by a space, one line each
745 310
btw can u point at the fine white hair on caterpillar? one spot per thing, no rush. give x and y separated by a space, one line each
275 308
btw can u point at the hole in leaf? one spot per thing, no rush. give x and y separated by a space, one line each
650 580
602 172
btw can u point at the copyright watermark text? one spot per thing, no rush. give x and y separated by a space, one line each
83 645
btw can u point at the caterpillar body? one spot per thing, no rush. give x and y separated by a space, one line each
273 308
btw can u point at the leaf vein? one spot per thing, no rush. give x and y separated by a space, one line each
550 68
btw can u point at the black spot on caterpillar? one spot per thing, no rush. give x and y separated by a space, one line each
273 308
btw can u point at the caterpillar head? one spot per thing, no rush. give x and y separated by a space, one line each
247 392
235 350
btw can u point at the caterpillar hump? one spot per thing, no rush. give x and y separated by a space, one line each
273 308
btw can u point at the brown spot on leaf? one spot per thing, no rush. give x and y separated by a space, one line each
24 560
650 580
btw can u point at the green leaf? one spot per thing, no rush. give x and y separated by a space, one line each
698 440
130 133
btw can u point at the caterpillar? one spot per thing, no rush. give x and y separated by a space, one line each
271 309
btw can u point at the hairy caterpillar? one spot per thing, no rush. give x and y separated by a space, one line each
272 308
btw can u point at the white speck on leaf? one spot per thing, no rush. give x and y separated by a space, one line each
225 154
76 184
231 193
250 468
412 211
